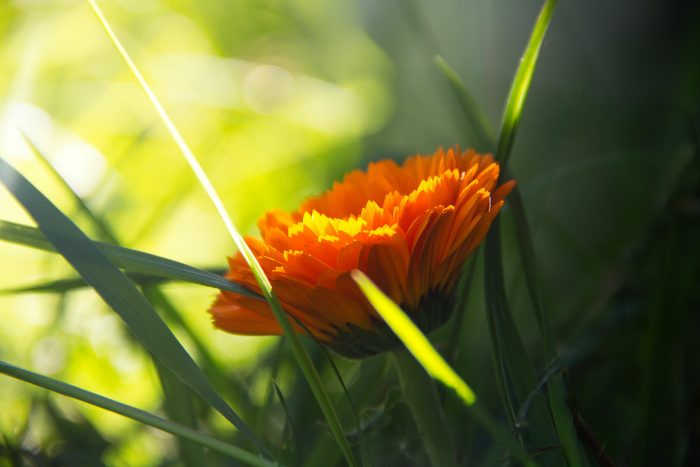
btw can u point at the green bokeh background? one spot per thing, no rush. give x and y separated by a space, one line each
278 99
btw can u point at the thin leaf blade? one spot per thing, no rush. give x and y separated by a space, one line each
414 339
477 118
117 291
128 411
300 353
521 84
125 258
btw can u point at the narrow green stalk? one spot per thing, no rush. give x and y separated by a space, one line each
420 393
556 387
300 353
464 286
477 118
521 84
133 413
133 261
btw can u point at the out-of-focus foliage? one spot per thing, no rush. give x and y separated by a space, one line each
273 97
278 99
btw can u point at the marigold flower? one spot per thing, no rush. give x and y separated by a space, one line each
408 227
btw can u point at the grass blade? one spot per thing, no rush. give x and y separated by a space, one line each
420 347
561 412
72 283
231 387
421 395
300 353
527 256
131 260
476 117
117 291
102 227
128 411
180 406
521 84
463 288
364 452
563 419
179 401
514 370
557 391
416 342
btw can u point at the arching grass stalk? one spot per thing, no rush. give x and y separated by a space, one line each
139 415
420 347
300 353
521 84
556 387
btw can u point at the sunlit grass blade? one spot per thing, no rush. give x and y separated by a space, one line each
432 362
477 118
117 291
416 342
128 411
521 84
134 261
300 353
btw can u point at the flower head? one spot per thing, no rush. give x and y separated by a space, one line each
409 227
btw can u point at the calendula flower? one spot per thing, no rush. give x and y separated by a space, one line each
408 227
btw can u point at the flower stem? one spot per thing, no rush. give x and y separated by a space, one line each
420 394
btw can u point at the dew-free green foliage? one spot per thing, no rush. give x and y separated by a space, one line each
575 326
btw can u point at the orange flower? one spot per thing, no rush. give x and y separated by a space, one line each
408 227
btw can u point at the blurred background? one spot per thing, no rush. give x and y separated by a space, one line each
280 98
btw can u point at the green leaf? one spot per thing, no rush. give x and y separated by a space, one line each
561 413
102 227
364 452
179 400
69 284
227 384
413 338
179 405
514 371
521 84
128 411
557 391
117 291
556 386
135 261
476 117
